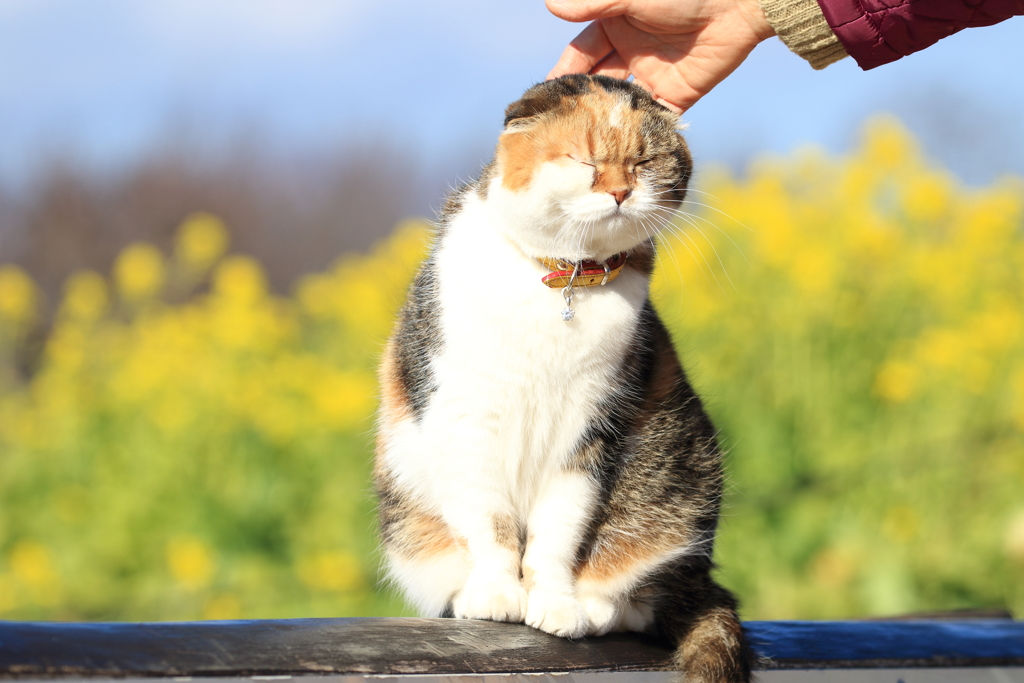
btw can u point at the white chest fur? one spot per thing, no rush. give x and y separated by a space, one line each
517 385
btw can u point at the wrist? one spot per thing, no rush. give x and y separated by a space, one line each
758 21
801 25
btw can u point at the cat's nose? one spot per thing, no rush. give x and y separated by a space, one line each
620 195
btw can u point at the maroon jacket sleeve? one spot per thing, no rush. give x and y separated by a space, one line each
876 32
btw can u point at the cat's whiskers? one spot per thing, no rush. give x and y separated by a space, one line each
668 226
715 208
714 225
690 221
671 227
564 232
675 230
586 237
654 233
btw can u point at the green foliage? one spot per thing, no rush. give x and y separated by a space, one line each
857 330
191 446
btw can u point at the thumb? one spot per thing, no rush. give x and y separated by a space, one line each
587 10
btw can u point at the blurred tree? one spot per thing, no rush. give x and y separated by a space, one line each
293 213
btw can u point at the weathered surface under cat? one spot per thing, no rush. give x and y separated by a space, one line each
558 473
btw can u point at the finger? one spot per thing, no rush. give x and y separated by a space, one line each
671 107
642 84
676 97
584 52
587 10
613 65
669 67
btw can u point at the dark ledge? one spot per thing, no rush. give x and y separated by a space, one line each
449 646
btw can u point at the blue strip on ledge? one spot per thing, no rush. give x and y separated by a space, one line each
443 647
842 644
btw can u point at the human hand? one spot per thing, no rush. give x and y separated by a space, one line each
677 49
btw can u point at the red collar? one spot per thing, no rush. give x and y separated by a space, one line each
588 273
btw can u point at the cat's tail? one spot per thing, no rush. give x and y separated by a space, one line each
701 617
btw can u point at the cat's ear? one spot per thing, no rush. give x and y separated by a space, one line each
526 112
545 97
520 124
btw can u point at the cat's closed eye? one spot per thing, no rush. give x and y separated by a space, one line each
580 161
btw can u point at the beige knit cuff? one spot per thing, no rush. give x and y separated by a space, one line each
802 27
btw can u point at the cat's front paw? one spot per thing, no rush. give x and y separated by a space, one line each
557 614
602 614
497 600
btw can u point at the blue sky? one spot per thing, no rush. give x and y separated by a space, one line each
111 78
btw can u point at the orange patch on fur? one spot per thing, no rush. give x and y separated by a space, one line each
620 557
426 535
571 131
407 527
394 399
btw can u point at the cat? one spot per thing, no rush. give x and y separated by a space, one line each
541 456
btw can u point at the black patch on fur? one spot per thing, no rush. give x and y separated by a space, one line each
699 617
638 97
651 448
547 96
654 453
642 256
418 338
484 180
669 169
550 95
390 507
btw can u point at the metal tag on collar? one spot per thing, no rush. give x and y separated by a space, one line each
567 312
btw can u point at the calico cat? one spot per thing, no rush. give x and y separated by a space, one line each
541 456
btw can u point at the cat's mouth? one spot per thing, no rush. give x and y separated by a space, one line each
613 214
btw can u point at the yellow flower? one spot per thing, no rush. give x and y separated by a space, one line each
8 593
897 381
887 144
223 607
190 561
901 523
977 372
331 570
18 297
409 242
942 348
171 413
315 293
85 296
201 240
813 268
139 272
1013 541
240 279
344 398
32 564
927 197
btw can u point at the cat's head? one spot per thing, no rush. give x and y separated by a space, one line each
586 167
